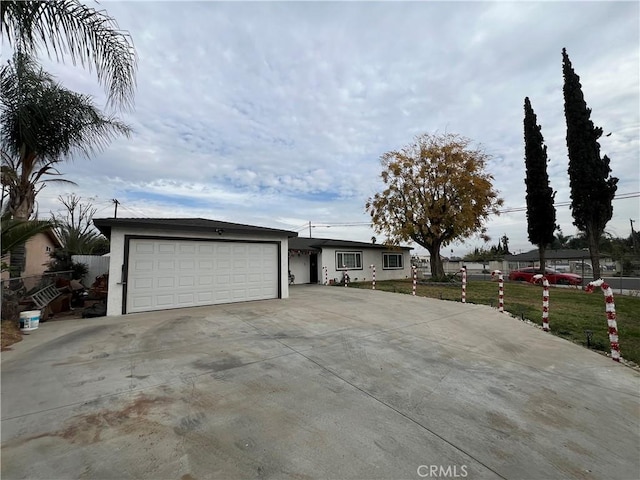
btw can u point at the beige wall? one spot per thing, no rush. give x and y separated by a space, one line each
37 255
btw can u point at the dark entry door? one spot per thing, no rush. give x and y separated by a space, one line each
313 265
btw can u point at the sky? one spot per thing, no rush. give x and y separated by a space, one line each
276 113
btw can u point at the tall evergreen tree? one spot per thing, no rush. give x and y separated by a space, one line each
592 187
541 214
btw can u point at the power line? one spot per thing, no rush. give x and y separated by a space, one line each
621 196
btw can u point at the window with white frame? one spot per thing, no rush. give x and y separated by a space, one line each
348 260
392 260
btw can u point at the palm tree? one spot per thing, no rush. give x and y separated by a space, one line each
88 36
42 124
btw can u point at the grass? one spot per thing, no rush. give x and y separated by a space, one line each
572 312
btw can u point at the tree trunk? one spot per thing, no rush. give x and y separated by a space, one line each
22 202
437 269
594 253
17 260
543 259
21 205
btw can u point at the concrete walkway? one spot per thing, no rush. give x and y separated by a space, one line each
331 383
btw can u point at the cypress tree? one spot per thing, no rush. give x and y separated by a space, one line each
541 214
592 188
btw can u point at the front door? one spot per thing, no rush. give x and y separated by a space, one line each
313 265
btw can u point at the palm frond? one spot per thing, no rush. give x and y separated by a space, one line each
44 122
88 36
17 232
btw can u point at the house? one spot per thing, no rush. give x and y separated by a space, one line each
320 260
164 263
37 256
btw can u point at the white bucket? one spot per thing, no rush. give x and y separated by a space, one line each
29 320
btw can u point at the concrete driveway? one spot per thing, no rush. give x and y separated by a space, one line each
331 383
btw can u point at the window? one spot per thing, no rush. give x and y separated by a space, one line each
348 260
392 260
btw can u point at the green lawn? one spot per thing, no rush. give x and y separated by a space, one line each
571 311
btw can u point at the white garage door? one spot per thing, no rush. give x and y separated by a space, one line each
165 274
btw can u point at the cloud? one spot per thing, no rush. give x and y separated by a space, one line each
276 113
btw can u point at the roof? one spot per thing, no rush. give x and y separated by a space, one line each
556 254
301 243
190 224
53 236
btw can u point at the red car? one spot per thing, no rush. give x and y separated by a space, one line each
554 277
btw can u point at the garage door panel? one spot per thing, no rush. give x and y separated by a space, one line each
143 265
206 249
142 303
144 247
186 299
186 281
143 283
222 296
164 300
205 265
187 265
188 248
166 248
166 282
223 263
205 298
166 274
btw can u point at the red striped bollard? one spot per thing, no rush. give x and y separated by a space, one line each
464 284
610 311
415 280
500 289
373 284
545 299
326 275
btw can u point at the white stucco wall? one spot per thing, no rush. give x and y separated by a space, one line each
114 299
369 257
299 266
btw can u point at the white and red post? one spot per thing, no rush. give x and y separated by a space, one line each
326 275
346 276
500 289
610 311
545 299
415 279
373 283
464 284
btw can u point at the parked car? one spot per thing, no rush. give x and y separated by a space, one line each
554 277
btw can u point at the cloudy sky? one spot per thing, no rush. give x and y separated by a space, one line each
276 113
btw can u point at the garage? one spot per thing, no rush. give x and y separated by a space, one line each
159 264
170 273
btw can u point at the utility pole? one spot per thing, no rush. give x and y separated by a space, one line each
633 238
116 203
309 228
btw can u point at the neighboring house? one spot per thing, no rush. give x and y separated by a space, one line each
565 259
37 254
309 257
164 263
